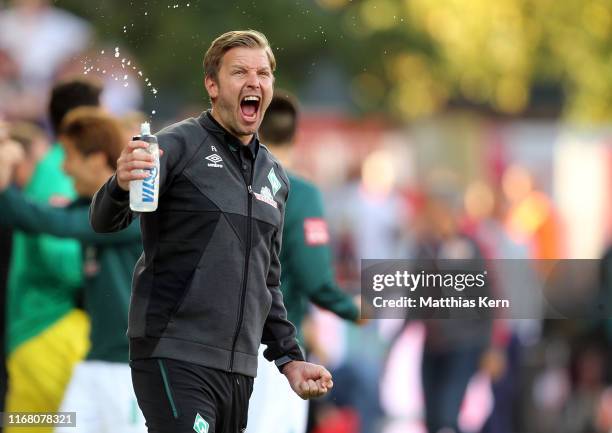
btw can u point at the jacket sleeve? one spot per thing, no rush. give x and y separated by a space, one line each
278 334
110 208
65 222
310 262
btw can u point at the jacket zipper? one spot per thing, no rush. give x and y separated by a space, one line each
246 266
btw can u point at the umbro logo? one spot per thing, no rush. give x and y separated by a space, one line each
214 160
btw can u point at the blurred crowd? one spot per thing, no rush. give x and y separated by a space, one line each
391 191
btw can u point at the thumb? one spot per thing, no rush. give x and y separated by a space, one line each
324 374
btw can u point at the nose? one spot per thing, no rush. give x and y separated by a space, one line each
252 79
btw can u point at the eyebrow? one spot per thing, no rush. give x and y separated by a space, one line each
257 68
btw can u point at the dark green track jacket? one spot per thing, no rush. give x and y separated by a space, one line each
306 259
108 263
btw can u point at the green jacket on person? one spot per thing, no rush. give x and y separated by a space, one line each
108 264
45 273
306 259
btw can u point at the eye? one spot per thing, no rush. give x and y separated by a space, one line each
264 73
238 72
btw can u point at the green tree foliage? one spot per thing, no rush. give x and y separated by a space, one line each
408 58
492 52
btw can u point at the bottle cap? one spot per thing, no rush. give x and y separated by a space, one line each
145 128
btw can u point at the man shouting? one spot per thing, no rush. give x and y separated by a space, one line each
206 289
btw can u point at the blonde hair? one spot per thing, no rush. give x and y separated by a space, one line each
234 39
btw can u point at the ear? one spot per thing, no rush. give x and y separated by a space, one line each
211 86
97 160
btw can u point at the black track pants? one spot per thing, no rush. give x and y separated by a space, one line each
181 397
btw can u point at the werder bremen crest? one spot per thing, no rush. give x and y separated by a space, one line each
276 185
200 425
266 196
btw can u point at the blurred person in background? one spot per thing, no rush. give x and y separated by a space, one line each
606 301
372 209
587 371
531 217
45 280
508 264
33 142
307 273
37 38
100 390
453 347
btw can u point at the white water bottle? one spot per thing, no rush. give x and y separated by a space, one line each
144 193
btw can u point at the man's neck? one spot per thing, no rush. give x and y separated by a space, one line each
244 139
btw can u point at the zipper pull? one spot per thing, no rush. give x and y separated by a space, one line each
250 189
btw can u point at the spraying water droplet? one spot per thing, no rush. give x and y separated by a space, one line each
126 84
102 52
125 77
140 73
153 112
154 90
146 13
117 54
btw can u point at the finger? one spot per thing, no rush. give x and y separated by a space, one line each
313 388
126 176
138 164
303 390
321 388
324 374
325 386
327 383
139 156
133 145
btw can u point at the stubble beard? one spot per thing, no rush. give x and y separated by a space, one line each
227 113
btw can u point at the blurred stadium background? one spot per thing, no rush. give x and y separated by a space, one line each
500 110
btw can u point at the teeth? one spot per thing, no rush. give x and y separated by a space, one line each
251 98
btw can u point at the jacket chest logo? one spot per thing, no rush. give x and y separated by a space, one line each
276 185
214 159
266 196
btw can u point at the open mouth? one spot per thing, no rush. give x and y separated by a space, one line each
249 106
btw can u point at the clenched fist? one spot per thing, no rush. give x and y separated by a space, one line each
308 380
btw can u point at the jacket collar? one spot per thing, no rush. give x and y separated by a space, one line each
211 125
